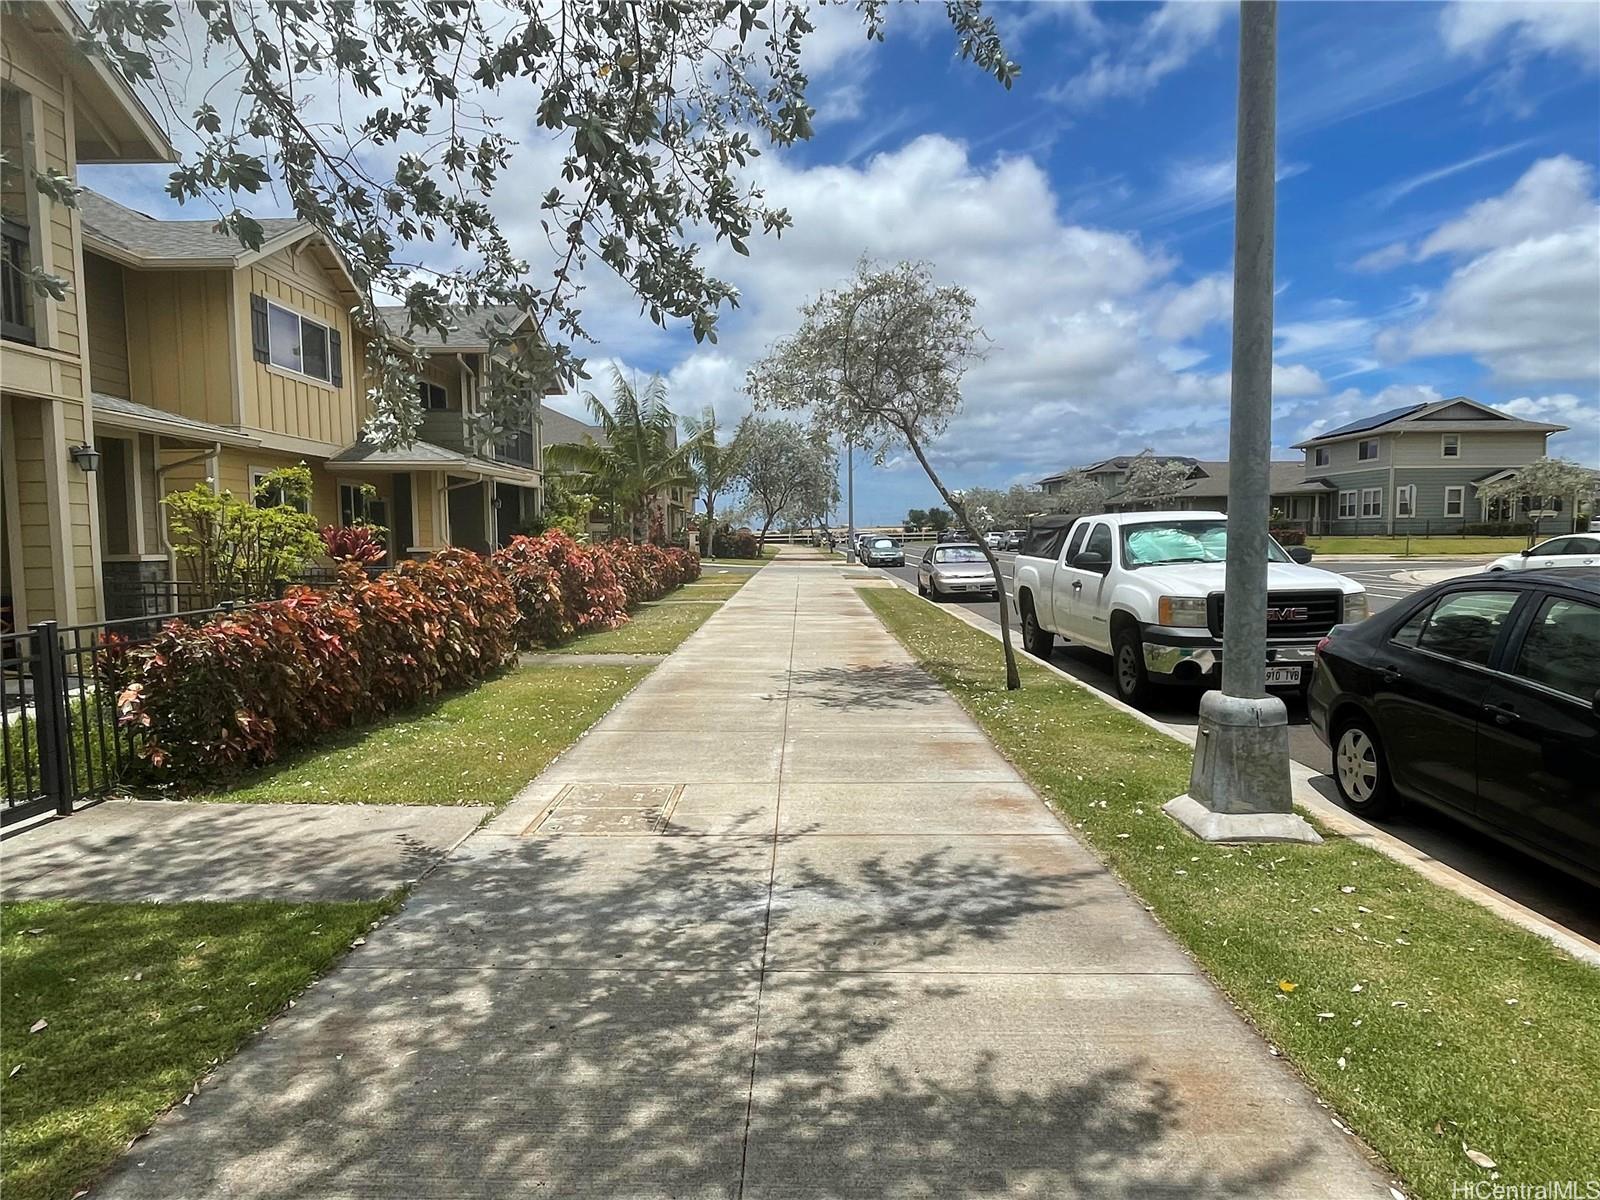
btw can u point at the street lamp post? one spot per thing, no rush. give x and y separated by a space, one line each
1239 784
850 501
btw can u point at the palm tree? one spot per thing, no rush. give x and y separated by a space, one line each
636 457
715 468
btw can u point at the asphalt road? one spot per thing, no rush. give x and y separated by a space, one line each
1573 904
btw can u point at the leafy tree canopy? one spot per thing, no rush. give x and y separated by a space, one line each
383 125
788 474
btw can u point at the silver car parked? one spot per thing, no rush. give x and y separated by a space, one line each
956 569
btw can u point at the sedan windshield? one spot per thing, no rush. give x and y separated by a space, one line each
1200 541
959 554
885 544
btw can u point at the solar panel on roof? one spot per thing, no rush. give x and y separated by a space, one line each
1366 423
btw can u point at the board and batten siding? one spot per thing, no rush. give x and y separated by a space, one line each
285 402
105 312
179 348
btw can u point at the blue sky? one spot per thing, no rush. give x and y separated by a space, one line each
1437 224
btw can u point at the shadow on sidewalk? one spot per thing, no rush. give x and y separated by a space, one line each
577 1017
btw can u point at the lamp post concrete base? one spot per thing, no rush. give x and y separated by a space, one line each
1239 787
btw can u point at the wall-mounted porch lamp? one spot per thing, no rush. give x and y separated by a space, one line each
86 456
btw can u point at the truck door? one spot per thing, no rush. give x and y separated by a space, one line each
1078 588
1057 608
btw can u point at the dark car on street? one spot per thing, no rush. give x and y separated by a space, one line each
883 552
1480 697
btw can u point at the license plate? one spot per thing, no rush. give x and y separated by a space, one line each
1283 676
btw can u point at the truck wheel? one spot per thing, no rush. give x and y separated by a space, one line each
1036 641
1128 675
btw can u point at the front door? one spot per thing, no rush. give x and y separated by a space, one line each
1429 686
1539 741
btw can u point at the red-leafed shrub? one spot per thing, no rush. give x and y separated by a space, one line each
536 590
632 570
211 700
1289 536
353 543
592 597
738 543
685 565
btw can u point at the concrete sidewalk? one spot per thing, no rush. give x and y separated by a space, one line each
732 944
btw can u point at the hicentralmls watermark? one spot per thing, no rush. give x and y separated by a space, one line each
1555 1189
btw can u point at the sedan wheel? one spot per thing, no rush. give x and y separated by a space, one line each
1360 771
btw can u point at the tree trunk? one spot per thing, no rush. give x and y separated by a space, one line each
1013 676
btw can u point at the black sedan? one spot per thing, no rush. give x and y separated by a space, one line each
1480 697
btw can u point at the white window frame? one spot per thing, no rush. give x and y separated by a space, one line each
1372 502
1405 500
1320 456
1458 496
425 393
299 349
1449 445
1348 511
1361 450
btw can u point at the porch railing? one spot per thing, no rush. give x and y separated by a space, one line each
517 448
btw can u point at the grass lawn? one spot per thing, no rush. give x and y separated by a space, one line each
720 588
1417 546
1422 1019
475 747
141 999
656 629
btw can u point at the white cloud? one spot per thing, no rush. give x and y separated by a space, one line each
1296 380
1383 258
1163 43
1553 194
1471 27
1188 311
1531 311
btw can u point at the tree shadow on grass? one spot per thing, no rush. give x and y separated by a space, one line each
578 1016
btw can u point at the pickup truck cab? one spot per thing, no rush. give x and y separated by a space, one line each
1146 588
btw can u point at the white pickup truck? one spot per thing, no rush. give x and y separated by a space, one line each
1146 588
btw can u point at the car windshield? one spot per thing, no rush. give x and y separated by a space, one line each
958 554
884 544
1161 542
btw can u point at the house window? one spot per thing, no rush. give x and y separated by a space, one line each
1405 500
272 497
1455 501
1498 509
357 504
16 289
1347 504
1372 502
1367 450
1319 456
1450 445
432 397
297 343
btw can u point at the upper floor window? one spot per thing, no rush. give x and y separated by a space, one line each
1450 445
16 234
285 339
432 397
270 495
1367 450
1319 457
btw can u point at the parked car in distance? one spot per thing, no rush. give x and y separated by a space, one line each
956 535
1015 538
1578 550
996 539
956 569
1477 696
883 552
1147 589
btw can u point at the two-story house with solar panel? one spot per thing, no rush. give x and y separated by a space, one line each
1417 469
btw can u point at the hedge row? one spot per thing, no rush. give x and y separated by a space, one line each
211 700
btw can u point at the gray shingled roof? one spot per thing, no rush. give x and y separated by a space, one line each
560 429
422 456
473 329
1286 478
152 237
109 408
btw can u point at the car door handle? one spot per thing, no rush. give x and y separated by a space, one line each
1502 714
1077 585
1389 675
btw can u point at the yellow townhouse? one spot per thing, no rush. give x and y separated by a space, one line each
217 364
58 108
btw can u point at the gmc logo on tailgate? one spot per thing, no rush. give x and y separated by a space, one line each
1288 613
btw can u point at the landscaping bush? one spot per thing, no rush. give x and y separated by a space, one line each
1289 535
535 584
358 543
738 543
591 597
210 700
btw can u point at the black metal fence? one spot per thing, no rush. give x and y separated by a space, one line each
62 742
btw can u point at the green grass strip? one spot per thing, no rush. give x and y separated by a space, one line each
657 629
140 1000
1417 547
477 747
1424 1020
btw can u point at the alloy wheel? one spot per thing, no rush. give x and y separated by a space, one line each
1357 761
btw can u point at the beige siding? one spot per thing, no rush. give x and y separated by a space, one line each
25 430
1479 448
107 326
282 401
178 343
80 523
